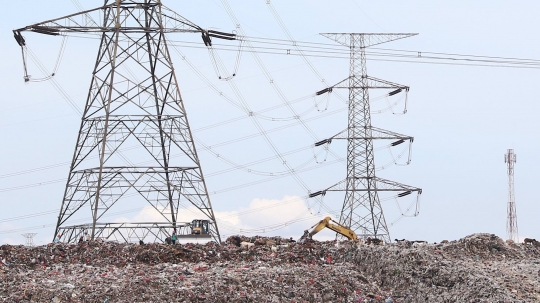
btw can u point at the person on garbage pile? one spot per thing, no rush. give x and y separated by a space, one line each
173 237
57 239
81 239
86 238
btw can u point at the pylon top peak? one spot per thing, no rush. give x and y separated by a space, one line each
130 1
369 39
84 22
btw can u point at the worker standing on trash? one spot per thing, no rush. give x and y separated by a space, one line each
173 237
57 238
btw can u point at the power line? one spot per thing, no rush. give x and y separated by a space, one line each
305 46
492 63
368 50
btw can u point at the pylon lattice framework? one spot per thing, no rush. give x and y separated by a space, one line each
29 238
362 210
134 100
511 222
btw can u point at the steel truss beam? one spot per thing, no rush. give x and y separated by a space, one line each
130 232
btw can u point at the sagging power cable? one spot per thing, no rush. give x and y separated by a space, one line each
217 63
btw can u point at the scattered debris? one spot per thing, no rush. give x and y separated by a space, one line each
529 240
477 268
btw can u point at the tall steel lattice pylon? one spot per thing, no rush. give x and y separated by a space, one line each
134 103
29 238
362 210
511 222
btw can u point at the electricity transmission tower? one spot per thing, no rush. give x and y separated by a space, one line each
511 222
29 238
134 102
362 210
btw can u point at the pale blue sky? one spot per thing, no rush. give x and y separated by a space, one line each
463 118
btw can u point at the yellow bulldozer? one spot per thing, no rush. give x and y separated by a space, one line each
199 227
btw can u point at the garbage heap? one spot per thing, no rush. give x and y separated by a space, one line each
477 268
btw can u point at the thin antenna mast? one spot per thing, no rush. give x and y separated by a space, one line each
511 221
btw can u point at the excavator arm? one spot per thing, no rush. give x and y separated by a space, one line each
326 223
319 226
342 230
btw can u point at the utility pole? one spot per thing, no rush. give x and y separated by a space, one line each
511 221
133 102
362 210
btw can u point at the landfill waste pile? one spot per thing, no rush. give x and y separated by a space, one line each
477 268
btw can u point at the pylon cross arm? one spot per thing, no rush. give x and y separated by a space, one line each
376 133
85 21
382 185
368 39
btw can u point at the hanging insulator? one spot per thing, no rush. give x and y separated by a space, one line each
318 193
323 142
19 38
326 90
398 142
221 35
397 91
404 194
45 30
206 39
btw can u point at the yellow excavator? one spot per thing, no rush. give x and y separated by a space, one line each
325 223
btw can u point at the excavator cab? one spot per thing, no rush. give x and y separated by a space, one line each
199 227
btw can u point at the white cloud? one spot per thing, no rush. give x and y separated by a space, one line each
286 217
150 214
272 211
